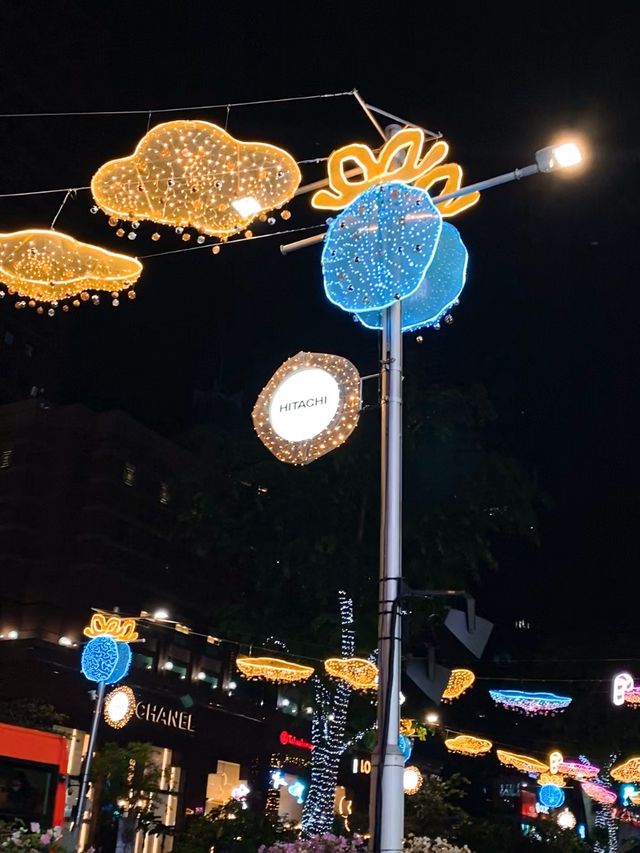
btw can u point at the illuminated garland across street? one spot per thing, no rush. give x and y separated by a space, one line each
48 266
628 771
273 669
459 682
525 763
358 673
530 703
193 174
468 745
599 793
578 770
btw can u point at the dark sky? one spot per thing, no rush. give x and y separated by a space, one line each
548 318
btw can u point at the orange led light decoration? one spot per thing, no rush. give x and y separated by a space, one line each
459 682
359 673
193 174
551 779
468 745
273 669
525 763
48 266
422 170
407 727
628 771
117 627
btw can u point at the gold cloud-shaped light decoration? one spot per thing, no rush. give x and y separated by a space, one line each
468 745
122 629
420 170
49 266
459 682
359 673
525 763
628 771
552 779
193 174
273 669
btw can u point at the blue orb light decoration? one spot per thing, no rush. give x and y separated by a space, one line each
105 659
405 745
379 248
439 289
551 796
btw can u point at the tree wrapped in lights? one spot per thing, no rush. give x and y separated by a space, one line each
328 735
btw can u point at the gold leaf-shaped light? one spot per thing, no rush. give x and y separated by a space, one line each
359 673
122 629
459 682
525 763
628 771
273 669
49 266
468 745
552 779
194 174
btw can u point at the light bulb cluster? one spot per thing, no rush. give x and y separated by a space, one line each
341 424
468 745
532 704
119 707
358 673
193 174
273 669
412 780
40 266
459 682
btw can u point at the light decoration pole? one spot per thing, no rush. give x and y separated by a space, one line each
390 261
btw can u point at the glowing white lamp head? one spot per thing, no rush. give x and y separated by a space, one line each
566 819
119 706
412 780
432 718
559 156
161 614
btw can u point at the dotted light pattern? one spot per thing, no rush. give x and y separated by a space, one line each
632 698
412 780
117 627
340 427
439 289
551 796
530 703
119 707
190 174
599 793
578 770
359 673
105 659
468 745
459 682
628 771
525 763
379 248
273 669
566 819
49 266
328 726
552 779
409 167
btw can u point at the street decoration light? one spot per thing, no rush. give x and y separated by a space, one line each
545 704
551 796
579 770
358 673
468 745
45 267
193 174
309 407
524 763
622 685
459 682
273 669
119 706
412 780
599 793
628 771
566 819
552 779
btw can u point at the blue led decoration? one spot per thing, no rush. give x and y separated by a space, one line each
530 703
297 790
439 289
551 796
379 248
105 659
405 745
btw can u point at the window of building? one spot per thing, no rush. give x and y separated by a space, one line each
205 676
129 474
8 338
176 668
288 702
165 495
5 458
142 661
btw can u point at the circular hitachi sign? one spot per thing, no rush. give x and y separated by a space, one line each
309 407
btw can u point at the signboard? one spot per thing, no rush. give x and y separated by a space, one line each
165 716
309 407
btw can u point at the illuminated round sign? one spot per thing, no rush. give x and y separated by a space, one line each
119 706
310 406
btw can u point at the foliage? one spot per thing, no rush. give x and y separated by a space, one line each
16 838
128 774
422 844
324 843
229 829
30 713
434 811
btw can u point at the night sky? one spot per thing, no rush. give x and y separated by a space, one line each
548 319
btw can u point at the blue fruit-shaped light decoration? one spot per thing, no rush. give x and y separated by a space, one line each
378 249
405 745
551 796
439 289
105 659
